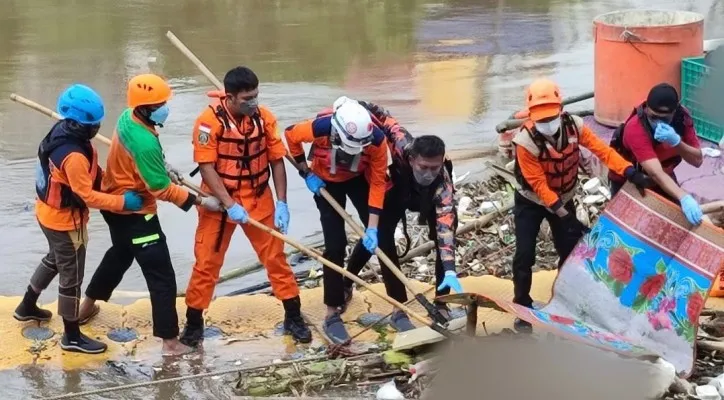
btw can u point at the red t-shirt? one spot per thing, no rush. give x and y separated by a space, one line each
642 146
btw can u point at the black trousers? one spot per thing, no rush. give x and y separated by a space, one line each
393 211
335 237
528 218
139 237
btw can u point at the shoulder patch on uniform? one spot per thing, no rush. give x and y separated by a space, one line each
204 133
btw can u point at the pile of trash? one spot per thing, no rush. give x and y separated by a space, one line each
486 246
707 380
488 249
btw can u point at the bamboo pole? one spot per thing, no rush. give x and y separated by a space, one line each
47 111
340 210
312 253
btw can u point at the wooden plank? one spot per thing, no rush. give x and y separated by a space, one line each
425 335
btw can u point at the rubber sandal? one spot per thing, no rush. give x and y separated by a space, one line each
334 328
94 312
401 322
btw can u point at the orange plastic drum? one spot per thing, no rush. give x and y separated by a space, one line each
637 49
717 290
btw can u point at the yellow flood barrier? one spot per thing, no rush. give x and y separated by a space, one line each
248 323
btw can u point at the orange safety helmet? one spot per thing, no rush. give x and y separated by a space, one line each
543 99
147 89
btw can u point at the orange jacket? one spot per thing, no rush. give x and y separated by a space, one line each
373 164
529 152
73 172
245 173
136 162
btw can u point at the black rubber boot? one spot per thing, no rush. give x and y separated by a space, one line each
193 333
294 323
74 341
522 326
28 309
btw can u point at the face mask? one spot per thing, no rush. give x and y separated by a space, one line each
249 107
424 178
160 115
548 128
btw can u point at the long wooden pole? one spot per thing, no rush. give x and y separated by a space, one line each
264 228
358 229
47 111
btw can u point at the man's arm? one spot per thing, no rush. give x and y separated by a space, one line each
214 182
279 174
152 170
653 168
204 139
641 147
445 223
690 148
75 166
604 152
378 181
275 154
690 154
535 176
296 135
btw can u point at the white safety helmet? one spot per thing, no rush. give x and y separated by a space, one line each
352 124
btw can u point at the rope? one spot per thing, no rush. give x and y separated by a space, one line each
181 378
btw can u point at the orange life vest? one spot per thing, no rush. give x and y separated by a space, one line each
242 156
327 156
560 167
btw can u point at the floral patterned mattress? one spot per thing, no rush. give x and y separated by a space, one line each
636 283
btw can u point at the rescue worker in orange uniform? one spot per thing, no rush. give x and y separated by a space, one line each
136 162
547 154
238 149
68 182
349 159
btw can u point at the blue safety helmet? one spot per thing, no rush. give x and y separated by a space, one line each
82 104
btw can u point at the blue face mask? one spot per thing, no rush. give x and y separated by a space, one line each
160 115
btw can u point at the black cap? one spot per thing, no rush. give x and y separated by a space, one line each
663 99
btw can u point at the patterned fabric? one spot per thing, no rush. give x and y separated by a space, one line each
398 138
636 284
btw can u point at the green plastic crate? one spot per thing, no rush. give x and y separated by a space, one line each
693 69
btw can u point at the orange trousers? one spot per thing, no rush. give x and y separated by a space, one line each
269 250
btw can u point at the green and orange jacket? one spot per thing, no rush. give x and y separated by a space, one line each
136 162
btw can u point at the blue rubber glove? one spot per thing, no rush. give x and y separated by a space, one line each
281 217
691 209
451 282
238 214
370 240
132 201
314 183
666 134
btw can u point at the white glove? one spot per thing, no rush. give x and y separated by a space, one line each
174 174
211 203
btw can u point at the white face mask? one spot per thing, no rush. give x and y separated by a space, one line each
548 128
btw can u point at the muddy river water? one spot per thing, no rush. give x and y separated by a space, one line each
453 68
